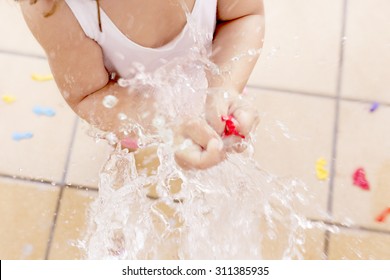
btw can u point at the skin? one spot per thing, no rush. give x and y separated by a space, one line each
77 65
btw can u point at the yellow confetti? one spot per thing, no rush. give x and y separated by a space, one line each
321 172
8 99
42 78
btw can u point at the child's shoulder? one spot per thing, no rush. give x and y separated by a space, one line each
50 21
228 10
39 8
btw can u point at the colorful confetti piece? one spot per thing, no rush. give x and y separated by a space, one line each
360 180
321 172
230 127
42 78
374 107
44 111
382 216
8 99
17 136
129 143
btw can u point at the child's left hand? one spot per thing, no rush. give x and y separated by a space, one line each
228 102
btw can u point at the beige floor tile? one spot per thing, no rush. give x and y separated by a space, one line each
16 37
302 43
42 156
294 132
71 224
362 245
26 216
367 50
364 141
312 246
87 158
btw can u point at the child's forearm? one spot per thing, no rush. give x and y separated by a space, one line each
236 48
134 105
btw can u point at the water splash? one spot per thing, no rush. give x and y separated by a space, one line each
149 208
229 211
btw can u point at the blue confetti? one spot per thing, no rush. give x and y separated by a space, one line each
44 111
17 136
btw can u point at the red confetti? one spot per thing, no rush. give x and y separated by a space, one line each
359 179
230 127
382 216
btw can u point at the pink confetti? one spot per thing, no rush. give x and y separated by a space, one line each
360 180
129 143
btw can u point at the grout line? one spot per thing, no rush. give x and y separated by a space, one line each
79 187
357 227
290 91
47 182
31 180
67 162
336 124
28 55
63 186
319 95
356 100
327 237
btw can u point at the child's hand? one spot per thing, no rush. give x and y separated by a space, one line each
220 105
198 145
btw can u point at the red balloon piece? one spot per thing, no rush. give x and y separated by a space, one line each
230 127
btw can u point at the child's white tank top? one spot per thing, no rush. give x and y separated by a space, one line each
120 52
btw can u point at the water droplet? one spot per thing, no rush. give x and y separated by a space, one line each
123 82
158 121
110 101
122 116
111 138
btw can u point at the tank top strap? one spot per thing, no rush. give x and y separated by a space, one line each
85 12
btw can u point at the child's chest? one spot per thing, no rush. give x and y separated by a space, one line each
149 23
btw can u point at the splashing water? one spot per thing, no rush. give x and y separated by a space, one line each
149 208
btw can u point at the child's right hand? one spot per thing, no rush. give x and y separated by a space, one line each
198 146
227 104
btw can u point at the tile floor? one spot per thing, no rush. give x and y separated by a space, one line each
321 69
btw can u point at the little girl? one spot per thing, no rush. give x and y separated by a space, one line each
91 44
96 49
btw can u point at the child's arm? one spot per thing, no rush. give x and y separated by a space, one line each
236 48
77 65
237 42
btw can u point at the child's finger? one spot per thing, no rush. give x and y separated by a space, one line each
247 119
194 156
200 133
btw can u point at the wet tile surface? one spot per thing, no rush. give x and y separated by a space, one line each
16 37
26 216
359 245
88 156
363 143
71 224
301 50
44 155
295 131
367 58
